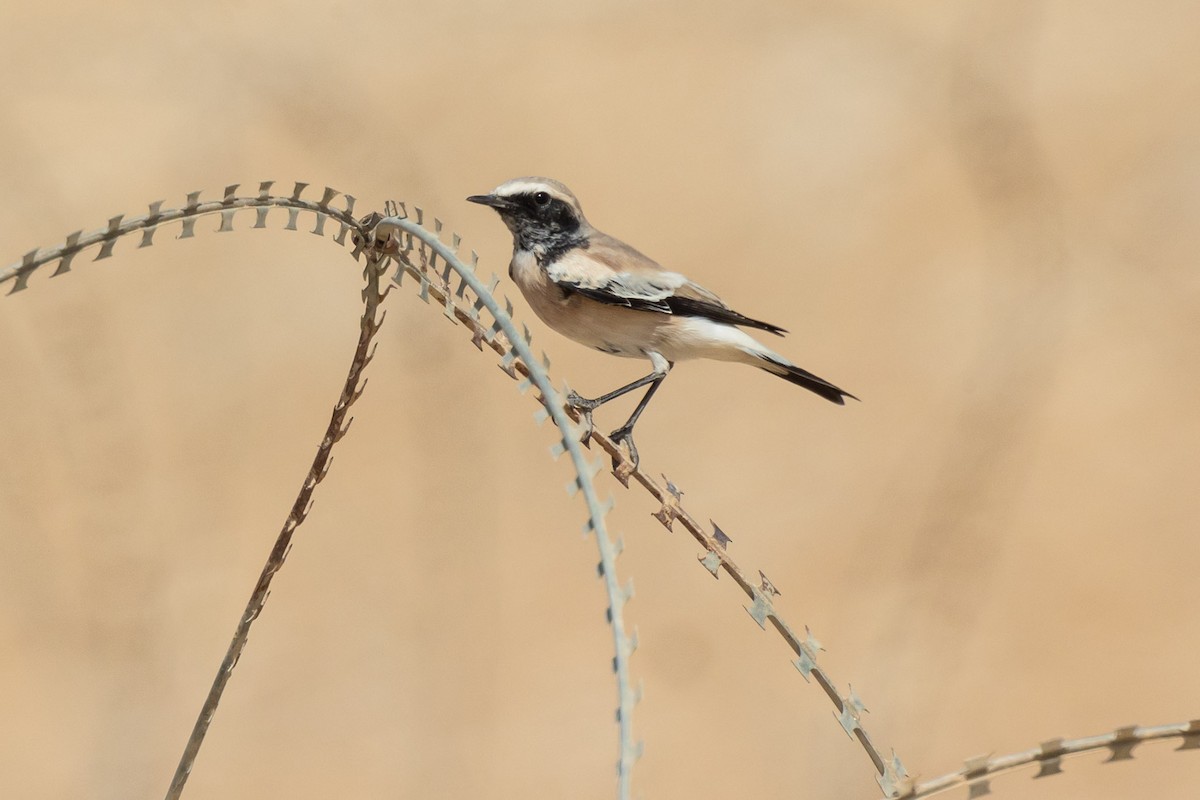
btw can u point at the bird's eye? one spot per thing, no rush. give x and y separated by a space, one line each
541 198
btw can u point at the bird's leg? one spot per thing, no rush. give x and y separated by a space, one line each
585 406
625 432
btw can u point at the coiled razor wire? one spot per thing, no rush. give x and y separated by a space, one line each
368 235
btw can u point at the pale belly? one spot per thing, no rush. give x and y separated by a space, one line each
622 331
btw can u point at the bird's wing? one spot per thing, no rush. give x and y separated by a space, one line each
610 271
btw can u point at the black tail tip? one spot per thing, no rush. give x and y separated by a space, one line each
833 395
841 401
802 377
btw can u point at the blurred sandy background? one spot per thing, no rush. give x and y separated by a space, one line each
981 218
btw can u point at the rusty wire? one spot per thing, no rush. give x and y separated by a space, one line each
436 286
416 250
377 250
352 390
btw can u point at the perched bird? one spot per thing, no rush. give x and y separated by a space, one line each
601 292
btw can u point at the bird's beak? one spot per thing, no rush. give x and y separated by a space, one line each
498 203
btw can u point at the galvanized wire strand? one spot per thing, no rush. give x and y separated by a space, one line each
518 360
518 355
892 776
535 373
230 204
1048 756
849 708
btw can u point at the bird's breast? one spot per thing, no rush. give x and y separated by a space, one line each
609 329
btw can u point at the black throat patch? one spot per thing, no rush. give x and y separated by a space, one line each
548 244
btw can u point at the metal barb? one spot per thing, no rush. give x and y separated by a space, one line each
894 780
720 536
110 237
319 224
153 216
70 248
1049 758
1191 736
856 704
1121 747
806 662
847 719
301 507
761 610
974 771
503 336
670 505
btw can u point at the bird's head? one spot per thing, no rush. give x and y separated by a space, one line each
541 213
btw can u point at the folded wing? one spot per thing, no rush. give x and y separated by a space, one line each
610 271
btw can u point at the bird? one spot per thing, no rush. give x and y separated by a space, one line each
597 290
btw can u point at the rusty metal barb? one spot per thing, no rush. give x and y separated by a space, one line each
417 250
338 425
194 208
715 558
516 358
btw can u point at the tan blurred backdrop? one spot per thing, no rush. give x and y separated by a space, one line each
981 218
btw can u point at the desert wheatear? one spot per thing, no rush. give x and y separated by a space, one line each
601 292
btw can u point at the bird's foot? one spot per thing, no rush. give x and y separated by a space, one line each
625 434
583 407
575 401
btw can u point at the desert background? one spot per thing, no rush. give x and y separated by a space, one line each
981 218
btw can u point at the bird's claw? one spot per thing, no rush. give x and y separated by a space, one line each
586 427
583 407
624 435
579 403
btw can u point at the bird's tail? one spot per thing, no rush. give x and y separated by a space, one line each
778 365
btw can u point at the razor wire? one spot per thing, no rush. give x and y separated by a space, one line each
364 241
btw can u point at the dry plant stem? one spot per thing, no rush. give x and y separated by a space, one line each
338 425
